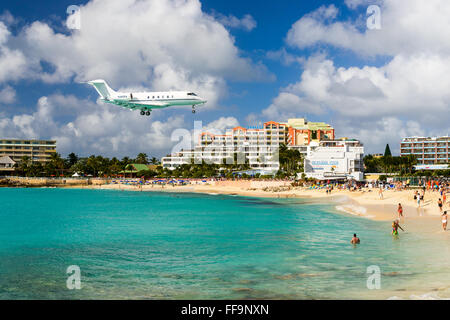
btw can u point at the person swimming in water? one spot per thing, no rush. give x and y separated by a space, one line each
355 239
395 226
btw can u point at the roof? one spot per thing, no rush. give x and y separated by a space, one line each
6 159
136 167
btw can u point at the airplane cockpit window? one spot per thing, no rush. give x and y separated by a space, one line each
191 94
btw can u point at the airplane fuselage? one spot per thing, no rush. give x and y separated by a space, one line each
146 101
155 100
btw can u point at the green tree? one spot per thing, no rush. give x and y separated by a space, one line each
72 158
56 164
154 160
289 160
142 158
23 166
387 151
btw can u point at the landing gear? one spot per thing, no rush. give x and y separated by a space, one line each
147 113
193 109
142 113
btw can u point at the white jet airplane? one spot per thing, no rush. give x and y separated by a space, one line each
146 101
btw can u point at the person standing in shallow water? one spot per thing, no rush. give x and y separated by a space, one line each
355 239
444 220
395 226
400 211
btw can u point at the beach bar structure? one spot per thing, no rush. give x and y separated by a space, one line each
6 165
132 169
35 150
255 146
427 150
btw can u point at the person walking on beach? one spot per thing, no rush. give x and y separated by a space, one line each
380 193
395 226
400 211
440 205
355 239
444 220
418 200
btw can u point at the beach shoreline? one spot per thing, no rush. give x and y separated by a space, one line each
364 203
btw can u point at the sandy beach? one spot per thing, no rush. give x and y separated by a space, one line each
364 203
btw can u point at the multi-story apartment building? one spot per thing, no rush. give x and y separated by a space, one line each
301 133
257 147
335 159
36 150
427 150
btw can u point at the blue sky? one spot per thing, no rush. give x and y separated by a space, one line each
300 58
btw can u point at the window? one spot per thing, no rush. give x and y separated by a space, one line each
191 94
153 97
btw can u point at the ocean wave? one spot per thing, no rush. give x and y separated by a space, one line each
354 210
425 296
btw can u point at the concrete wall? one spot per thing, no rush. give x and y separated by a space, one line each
22 181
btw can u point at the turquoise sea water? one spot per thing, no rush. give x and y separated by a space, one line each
150 245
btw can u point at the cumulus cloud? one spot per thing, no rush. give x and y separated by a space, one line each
13 63
247 22
407 95
284 57
173 33
408 26
222 124
7 95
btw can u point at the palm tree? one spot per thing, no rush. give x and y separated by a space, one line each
24 165
56 163
142 158
154 160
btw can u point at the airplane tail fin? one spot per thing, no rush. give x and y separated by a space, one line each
102 88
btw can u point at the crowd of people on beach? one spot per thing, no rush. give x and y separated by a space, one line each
440 186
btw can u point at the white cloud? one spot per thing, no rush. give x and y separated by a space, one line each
125 41
222 124
13 63
285 57
7 95
376 133
407 26
352 4
247 22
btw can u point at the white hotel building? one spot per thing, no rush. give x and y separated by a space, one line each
336 159
256 147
